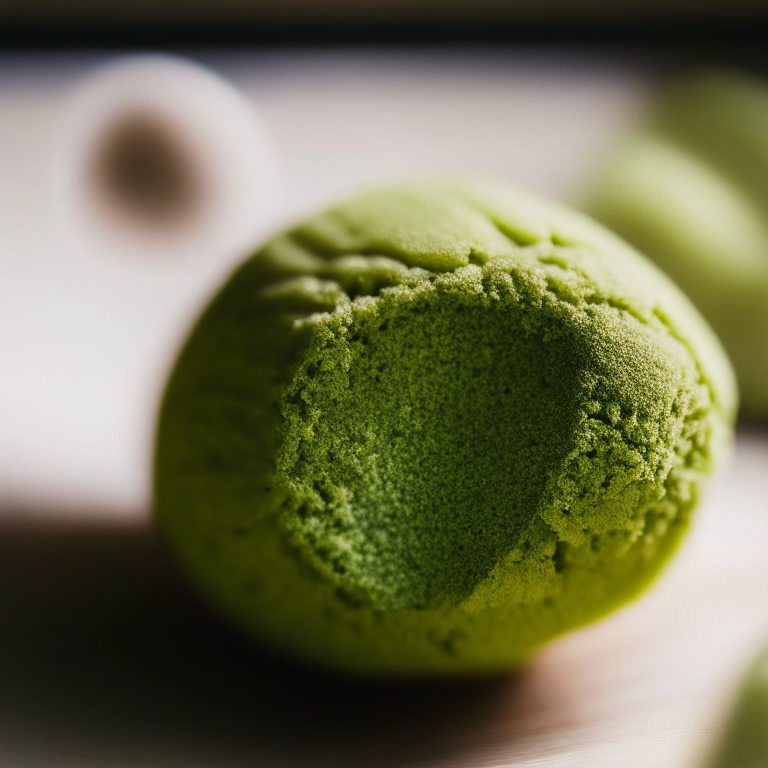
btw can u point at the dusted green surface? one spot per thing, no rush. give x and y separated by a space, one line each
431 429
691 191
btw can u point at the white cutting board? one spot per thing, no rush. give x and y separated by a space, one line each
87 338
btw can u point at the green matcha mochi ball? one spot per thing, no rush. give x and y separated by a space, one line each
690 190
430 429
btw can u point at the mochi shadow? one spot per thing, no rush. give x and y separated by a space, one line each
106 658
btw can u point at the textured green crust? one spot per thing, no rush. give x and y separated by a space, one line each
690 191
431 429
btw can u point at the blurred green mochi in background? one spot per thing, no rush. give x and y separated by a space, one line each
690 190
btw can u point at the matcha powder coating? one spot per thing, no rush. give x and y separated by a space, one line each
431 429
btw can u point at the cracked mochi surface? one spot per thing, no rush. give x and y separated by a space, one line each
429 430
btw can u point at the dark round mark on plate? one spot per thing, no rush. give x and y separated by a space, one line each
144 171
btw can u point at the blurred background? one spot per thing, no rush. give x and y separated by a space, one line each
145 149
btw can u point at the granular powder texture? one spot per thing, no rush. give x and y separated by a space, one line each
433 428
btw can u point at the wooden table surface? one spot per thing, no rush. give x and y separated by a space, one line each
107 660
